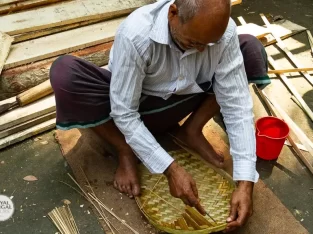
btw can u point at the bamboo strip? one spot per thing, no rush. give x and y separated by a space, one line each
196 216
310 40
284 48
191 222
85 195
281 71
292 89
112 213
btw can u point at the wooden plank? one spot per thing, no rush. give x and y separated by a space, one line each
67 13
5 44
253 29
5 2
301 147
284 48
282 71
18 6
26 113
292 89
18 79
284 29
27 124
235 2
20 136
61 43
50 31
271 61
310 38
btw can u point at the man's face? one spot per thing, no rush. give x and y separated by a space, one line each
199 31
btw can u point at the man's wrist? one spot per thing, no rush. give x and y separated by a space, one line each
246 185
169 170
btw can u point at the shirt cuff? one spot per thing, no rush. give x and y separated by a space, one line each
159 161
245 171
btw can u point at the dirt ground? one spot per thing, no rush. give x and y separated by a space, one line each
287 177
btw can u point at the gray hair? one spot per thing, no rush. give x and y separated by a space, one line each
187 9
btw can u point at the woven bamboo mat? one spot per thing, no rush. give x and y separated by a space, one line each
169 214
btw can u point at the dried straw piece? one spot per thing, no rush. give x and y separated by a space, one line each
63 219
112 213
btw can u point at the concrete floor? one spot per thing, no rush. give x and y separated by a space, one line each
287 177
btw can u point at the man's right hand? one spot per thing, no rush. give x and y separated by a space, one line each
183 186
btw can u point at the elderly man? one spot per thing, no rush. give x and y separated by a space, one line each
169 59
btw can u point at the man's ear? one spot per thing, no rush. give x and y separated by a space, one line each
173 12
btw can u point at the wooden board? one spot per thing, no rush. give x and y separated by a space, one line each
23 5
5 2
50 31
26 113
235 2
5 44
284 29
27 124
253 29
61 43
20 136
15 80
67 13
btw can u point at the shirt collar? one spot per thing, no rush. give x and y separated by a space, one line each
160 30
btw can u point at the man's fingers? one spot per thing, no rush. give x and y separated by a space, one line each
129 191
194 189
200 208
231 227
194 202
186 201
243 216
233 212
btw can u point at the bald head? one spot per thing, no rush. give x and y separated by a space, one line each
187 9
195 23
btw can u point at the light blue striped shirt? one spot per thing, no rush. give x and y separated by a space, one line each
145 60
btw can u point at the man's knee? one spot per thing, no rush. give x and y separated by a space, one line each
254 55
61 72
250 44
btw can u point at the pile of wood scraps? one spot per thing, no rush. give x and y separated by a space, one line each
275 108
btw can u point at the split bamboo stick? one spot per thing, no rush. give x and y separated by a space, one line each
282 71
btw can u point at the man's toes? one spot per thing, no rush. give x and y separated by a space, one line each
115 185
136 189
129 191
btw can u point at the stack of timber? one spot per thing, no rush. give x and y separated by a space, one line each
38 31
32 37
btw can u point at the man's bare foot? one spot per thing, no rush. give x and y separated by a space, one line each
126 178
198 143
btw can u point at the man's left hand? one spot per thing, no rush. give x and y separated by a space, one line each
241 206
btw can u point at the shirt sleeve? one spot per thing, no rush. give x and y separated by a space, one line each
128 72
232 94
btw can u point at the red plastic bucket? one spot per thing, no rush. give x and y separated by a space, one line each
271 134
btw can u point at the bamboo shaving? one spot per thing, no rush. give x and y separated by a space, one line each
63 219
